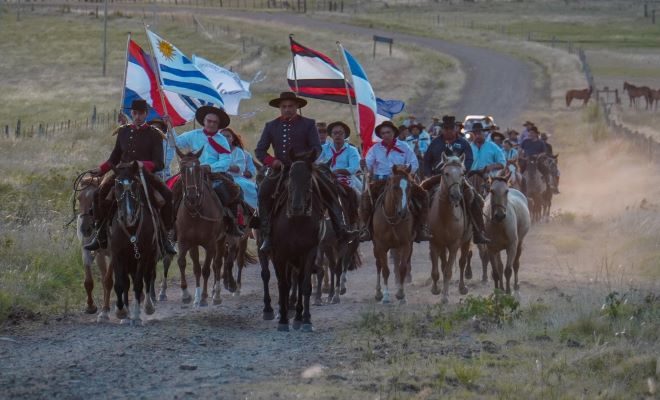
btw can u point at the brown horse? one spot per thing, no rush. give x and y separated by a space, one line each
199 223
584 94
450 226
549 164
535 186
85 187
655 98
236 252
393 230
638 91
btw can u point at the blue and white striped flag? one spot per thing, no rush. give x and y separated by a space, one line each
179 75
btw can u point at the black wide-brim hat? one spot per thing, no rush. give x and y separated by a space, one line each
497 134
140 105
387 124
347 130
287 96
203 111
449 121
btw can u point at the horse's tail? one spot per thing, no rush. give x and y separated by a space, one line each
357 261
245 258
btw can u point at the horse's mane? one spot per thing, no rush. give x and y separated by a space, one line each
455 161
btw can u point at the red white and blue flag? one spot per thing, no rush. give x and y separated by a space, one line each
313 74
366 100
141 83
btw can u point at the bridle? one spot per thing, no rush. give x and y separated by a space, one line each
400 213
124 192
193 193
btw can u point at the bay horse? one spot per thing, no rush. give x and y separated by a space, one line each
296 225
507 222
549 164
236 253
199 223
450 226
85 186
535 186
637 91
583 94
133 242
393 230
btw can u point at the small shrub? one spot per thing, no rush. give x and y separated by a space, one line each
497 308
467 374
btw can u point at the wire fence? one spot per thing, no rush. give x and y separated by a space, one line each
95 121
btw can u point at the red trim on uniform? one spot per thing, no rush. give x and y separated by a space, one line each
268 160
105 167
149 165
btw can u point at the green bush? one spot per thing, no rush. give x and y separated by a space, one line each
497 308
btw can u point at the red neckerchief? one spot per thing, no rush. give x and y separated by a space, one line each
392 147
335 155
216 146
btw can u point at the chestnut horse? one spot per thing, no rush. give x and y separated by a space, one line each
199 222
450 226
584 94
638 91
507 223
393 230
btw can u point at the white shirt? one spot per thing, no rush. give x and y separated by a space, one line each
380 161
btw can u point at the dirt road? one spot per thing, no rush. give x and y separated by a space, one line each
217 351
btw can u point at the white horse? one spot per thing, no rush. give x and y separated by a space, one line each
508 221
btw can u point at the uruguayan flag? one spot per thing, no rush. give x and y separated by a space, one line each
179 75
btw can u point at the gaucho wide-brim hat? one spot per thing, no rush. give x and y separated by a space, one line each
388 124
497 134
139 105
347 130
203 111
287 96
449 121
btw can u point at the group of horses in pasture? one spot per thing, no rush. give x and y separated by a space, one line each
303 240
650 96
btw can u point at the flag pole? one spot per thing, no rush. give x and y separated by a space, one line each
123 86
170 138
293 61
344 67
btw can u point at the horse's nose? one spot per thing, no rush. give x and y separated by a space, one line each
499 217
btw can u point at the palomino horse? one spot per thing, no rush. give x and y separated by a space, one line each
133 241
450 226
507 223
584 95
85 221
295 232
393 230
535 186
637 91
199 222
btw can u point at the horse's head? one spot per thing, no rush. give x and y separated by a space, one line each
85 198
192 176
499 191
398 190
300 183
453 172
128 194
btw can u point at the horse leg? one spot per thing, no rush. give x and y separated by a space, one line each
435 274
307 290
485 258
447 271
89 281
282 273
121 313
462 261
268 313
149 282
206 273
197 270
379 267
516 266
228 271
321 276
468 266
385 270
409 266
300 278
106 274
181 260
162 295
293 286
500 270
402 271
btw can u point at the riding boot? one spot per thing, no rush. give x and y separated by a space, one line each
232 226
365 233
478 226
423 233
100 238
339 225
168 241
264 219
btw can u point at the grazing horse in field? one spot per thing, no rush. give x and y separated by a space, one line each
133 241
296 226
638 91
535 186
85 222
507 223
393 230
199 222
584 95
655 98
450 226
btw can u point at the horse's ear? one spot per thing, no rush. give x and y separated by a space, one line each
443 159
508 176
556 156
462 157
178 151
199 153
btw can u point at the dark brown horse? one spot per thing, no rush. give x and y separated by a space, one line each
583 94
199 223
655 98
133 241
637 91
296 228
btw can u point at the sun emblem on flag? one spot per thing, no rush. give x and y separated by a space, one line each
166 49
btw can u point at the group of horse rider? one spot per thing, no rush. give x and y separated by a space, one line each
339 165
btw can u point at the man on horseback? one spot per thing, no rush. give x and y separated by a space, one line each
450 143
294 132
217 155
342 157
136 142
379 161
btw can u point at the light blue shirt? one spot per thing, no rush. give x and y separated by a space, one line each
168 151
349 159
510 154
196 139
489 153
380 162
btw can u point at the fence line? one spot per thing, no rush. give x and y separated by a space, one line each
42 129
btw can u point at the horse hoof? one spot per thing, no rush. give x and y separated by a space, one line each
335 299
268 316
463 290
516 287
162 297
435 290
121 314
379 296
307 328
91 309
318 301
203 303
445 300
342 291
124 321
237 293
296 324
149 309
386 300
468 274
102 317
135 322
217 301
186 298
282 327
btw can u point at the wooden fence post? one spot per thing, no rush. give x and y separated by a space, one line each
17 133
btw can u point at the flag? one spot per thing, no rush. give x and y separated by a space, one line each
389 108
315 75
179 75
365 99
141 83
230 86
